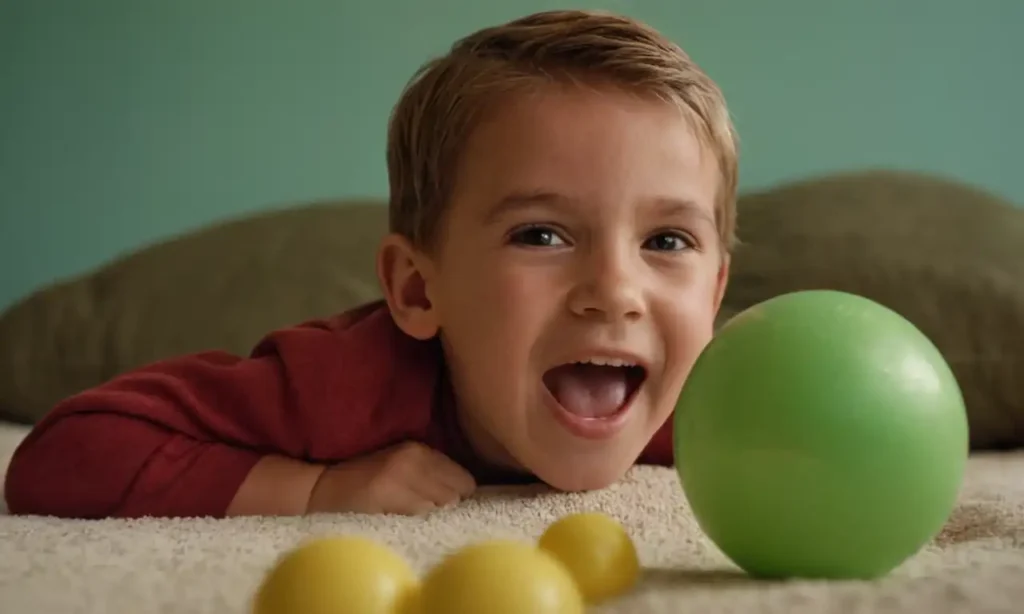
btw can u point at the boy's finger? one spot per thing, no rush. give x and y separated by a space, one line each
436 491
454 475
418 505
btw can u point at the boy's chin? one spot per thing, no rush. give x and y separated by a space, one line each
579 477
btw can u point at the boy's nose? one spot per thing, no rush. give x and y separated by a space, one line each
609 289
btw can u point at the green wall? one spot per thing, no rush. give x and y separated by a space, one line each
123 121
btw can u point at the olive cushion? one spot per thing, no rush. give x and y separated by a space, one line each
947 256
219 287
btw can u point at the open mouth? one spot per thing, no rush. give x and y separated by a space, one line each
595 389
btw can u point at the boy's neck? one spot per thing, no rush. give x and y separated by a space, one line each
481 454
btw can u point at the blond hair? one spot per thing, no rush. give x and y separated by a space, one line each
446 97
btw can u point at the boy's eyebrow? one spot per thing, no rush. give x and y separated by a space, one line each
520 200
664 206
675 206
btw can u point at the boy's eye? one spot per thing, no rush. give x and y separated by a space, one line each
668 241
538 236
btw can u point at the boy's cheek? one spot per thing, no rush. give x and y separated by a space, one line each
514 292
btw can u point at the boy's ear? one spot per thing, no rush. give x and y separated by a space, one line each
404 275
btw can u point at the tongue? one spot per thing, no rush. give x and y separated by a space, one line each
590 391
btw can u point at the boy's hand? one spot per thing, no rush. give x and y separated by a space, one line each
409 478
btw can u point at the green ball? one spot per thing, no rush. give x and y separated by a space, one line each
820 435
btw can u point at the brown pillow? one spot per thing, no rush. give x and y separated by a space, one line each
220 287
948 257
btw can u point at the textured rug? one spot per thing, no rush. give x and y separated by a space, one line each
209 566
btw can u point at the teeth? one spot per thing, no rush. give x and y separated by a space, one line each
606 362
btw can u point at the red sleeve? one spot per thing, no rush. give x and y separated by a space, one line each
177 438
660 451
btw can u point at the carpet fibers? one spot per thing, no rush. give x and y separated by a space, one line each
206 566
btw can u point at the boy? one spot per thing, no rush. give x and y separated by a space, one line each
562 211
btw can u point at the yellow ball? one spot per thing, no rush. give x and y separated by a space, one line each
337 575
499 577
597 551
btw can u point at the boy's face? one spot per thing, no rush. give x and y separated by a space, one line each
581 230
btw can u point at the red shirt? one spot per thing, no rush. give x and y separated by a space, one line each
178 437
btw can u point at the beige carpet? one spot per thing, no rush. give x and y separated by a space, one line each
205 566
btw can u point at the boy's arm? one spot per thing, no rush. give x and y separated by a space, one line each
276 486
192 436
